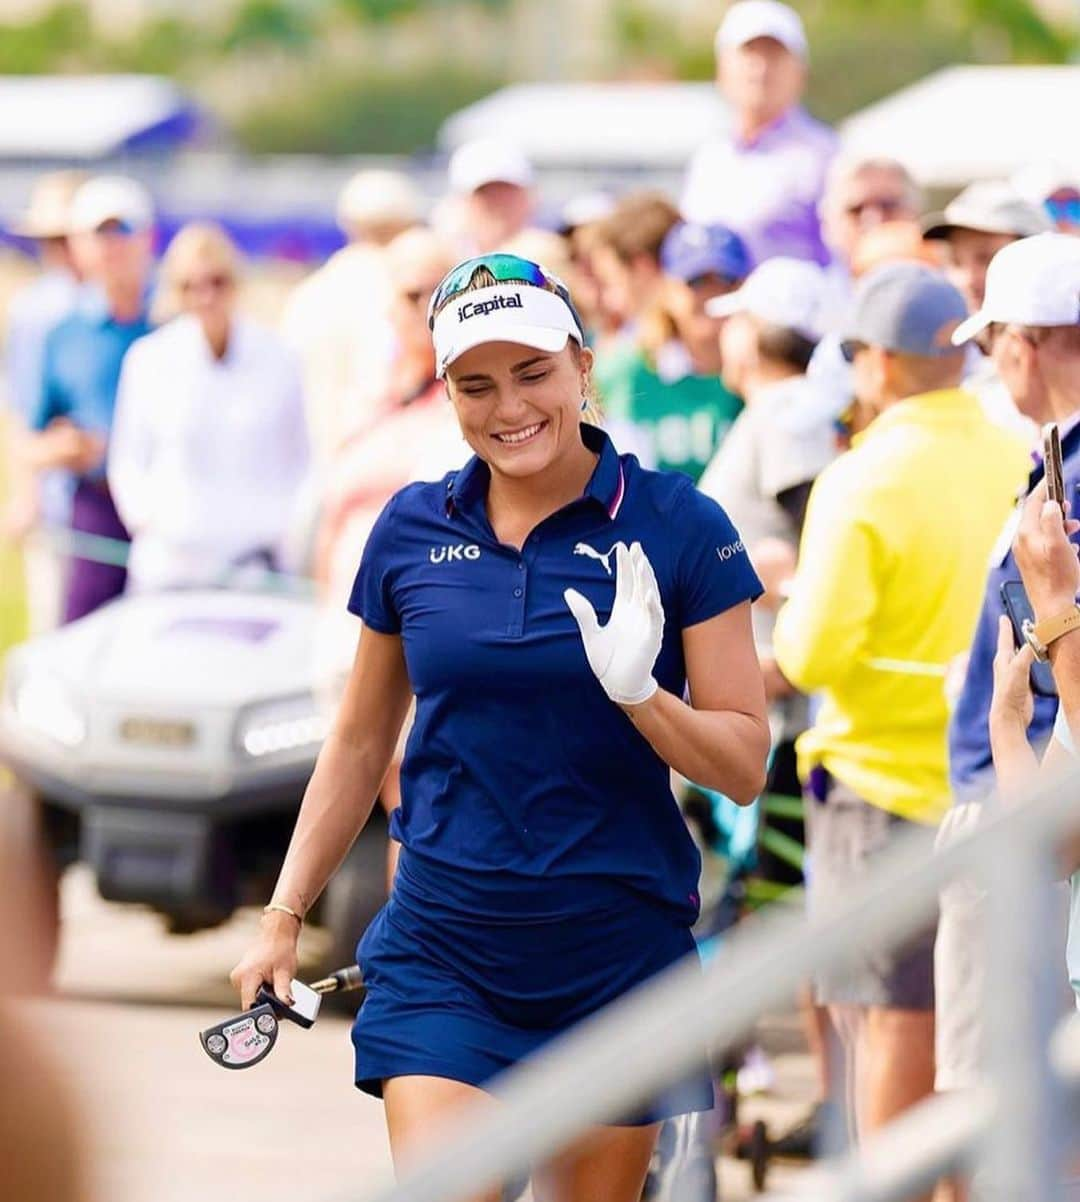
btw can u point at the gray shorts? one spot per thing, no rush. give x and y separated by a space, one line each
843 835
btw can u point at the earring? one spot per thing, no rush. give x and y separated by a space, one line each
584 403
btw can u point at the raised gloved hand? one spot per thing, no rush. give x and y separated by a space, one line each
622 653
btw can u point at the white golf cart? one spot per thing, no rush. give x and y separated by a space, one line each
168 738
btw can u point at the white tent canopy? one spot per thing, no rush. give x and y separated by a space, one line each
594 124
90 117
965 123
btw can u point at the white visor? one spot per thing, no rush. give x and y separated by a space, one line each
517 313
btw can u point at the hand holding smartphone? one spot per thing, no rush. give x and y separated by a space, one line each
1055 475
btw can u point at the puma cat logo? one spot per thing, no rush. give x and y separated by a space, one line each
590 553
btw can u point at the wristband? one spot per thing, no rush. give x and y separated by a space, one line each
1039 635
284 910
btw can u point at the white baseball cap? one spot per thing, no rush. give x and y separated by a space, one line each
376 195
517 313
749 19
988 207
111 198
488 161
791 293
1032 282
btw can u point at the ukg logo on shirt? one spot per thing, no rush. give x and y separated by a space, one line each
457 552
482 308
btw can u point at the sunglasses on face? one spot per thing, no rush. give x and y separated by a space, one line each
888 206
115 227
206 283
504 269
1063 209
416 296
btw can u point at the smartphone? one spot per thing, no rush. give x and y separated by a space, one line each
1055 477
1018 607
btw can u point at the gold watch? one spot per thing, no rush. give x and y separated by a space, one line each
1039 635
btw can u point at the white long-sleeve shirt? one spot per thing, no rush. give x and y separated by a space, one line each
207 456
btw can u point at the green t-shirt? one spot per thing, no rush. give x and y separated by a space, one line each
684 416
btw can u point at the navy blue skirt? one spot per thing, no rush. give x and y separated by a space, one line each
466 992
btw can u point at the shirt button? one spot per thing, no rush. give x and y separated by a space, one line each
521 566
517 592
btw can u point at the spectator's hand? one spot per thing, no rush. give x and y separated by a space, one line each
1046 558
80 451
774 561
22 514
1013 703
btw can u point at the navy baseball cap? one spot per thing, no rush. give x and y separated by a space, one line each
691 250
907 308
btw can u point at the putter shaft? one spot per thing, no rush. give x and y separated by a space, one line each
342 981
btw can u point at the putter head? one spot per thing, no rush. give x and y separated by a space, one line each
242 1041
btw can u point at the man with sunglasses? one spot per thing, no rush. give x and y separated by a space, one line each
973 227
112 221
1028 323
861 193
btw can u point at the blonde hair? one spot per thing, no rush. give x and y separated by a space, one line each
200 242
483 278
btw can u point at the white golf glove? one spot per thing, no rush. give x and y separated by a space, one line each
622 653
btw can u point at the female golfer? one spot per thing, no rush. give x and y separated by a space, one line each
548 605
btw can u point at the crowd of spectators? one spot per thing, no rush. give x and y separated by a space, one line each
859 383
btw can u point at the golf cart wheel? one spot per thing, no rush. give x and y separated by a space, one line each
759 1155
355 894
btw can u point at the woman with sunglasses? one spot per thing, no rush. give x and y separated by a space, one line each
548 604
209 445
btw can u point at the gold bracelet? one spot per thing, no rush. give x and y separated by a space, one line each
284 910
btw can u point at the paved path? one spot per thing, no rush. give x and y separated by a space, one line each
169 1126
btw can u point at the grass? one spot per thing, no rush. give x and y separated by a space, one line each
13 614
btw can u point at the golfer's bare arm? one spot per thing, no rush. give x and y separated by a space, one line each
349 771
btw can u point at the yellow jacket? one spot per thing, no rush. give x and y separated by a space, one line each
891 574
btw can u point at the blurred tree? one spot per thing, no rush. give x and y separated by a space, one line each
364 111
861 50
162 46
270 23
379 11
32 47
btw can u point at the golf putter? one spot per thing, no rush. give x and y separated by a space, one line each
245 1039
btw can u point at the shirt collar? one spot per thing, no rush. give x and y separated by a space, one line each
784 126
92 305
606 486
926 407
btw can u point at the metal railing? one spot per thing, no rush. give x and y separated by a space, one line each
1012 1131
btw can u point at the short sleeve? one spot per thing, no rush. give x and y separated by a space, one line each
49 402
372 597
713 571
789 458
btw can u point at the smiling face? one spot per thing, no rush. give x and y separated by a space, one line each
520 408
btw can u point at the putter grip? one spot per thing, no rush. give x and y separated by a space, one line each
342 981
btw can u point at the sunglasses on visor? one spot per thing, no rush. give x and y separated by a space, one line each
504 269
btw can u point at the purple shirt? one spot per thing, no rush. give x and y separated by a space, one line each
767 189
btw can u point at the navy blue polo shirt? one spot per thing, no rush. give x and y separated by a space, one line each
523 785
971 765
